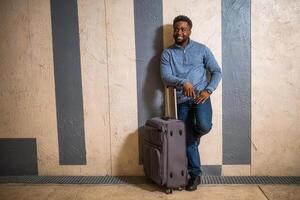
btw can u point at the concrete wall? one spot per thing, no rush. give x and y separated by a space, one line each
116 65
275 87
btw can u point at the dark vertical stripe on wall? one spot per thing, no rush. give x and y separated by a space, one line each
236 61
148 21
18 157
148 18
211 170
67 72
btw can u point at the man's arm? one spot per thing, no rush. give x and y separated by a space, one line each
211 64
166 72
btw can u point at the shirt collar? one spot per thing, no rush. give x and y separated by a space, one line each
187 46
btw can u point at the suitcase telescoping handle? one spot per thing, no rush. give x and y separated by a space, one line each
170 103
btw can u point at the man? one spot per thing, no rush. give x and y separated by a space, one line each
184 66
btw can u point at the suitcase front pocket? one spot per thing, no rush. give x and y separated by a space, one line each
152 163
154 136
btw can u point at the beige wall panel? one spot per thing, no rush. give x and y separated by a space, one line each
206 17
16 56
43 80
27 92
122 87
275 87
42 59
92 28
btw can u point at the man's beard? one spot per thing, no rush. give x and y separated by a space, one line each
180 41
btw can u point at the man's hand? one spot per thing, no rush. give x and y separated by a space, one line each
203 96
188 90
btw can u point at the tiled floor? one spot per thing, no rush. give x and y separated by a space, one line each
146 192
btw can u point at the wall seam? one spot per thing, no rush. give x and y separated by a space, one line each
250 131
108 85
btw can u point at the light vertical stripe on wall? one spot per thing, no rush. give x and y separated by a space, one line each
68 88
236 61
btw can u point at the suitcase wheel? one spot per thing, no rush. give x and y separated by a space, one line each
169 191
180 188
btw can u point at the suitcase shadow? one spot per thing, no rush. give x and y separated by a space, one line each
151 187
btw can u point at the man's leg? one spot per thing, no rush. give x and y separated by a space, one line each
194 162
185 114
200 124
203 118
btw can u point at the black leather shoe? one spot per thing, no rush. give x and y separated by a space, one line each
193 183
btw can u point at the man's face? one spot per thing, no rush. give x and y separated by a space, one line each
182 32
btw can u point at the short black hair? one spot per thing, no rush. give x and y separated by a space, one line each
183 18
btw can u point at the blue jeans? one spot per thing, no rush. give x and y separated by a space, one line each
198 122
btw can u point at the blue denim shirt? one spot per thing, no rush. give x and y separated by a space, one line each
179 65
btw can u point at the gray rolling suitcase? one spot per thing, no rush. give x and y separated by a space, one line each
164 152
